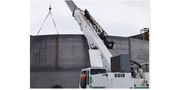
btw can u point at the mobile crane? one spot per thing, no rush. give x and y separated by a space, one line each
106 71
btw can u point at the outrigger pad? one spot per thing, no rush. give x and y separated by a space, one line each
120 63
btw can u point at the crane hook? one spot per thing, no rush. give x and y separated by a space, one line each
49 7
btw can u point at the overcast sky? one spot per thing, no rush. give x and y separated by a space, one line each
116 17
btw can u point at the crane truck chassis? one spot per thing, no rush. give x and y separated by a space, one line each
106 71
97 77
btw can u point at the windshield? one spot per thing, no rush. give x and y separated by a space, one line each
97 71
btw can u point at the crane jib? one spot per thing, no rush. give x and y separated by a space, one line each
72 6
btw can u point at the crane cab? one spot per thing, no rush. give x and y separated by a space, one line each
88 74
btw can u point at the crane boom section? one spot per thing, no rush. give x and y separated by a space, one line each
90 34
71 5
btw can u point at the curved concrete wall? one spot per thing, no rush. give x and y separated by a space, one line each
57 60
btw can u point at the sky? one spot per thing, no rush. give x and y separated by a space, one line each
116 17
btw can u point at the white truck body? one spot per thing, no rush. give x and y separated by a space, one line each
113 80
110 81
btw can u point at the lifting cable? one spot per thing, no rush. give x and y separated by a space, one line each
49 13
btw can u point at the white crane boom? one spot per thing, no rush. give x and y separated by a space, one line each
90 33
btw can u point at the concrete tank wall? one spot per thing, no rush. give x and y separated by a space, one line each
72 51
49 68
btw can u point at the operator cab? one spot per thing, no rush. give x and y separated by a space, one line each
86 75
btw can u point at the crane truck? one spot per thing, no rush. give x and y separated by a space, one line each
106 71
